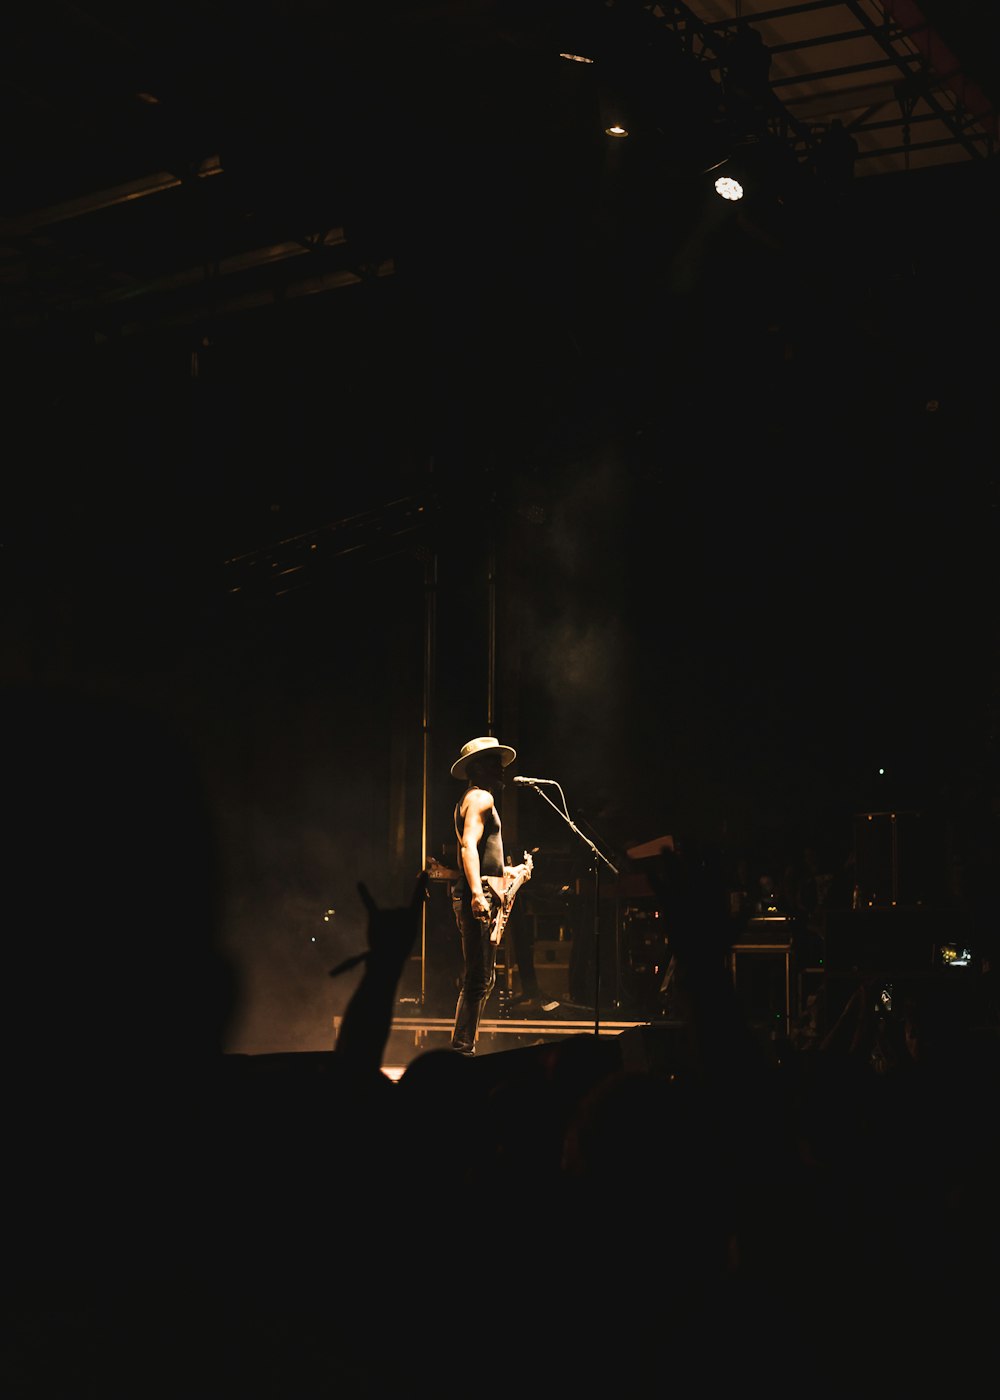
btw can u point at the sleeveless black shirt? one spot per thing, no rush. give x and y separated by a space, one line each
490 844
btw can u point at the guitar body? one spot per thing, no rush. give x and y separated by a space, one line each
504 893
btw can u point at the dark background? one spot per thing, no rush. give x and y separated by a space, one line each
724 488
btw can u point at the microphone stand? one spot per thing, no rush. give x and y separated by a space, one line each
597 858
618 993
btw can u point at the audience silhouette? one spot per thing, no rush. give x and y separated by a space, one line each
182 1222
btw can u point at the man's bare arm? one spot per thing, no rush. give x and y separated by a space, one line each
473 827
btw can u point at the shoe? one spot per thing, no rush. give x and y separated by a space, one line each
534 1001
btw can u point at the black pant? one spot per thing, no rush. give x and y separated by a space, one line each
479 971
520 941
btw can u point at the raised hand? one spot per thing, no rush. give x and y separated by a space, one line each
364 1029
391 932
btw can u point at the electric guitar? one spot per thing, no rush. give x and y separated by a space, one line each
506 896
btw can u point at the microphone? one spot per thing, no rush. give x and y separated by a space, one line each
530 782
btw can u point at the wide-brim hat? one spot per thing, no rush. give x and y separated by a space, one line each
475 747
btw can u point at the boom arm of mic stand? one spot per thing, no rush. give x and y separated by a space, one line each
564 813
598 856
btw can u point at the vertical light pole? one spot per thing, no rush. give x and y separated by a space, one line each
491 631
430 619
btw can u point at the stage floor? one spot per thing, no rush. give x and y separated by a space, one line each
413 1033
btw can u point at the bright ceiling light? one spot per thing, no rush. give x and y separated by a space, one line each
728 188
615 130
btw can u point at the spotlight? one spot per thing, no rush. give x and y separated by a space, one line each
765 172
730 176
727 187
727 177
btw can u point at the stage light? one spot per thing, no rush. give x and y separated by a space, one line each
763 171
736 173
727 177
615 130
727 187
